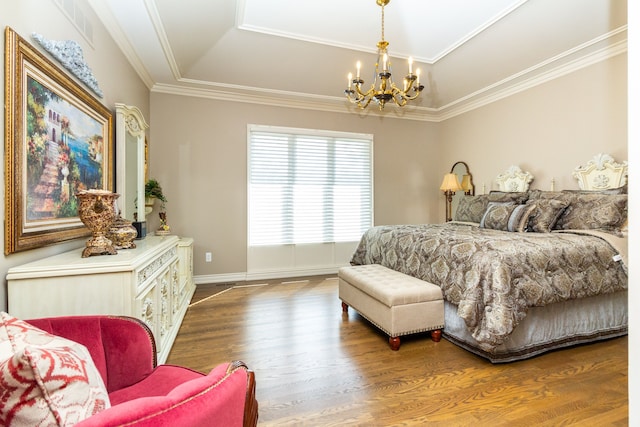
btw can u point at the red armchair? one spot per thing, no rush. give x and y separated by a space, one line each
143 394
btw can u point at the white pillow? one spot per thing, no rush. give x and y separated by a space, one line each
46 379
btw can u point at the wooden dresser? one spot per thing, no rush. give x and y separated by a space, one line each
153 282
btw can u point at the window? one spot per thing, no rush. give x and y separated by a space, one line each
308 186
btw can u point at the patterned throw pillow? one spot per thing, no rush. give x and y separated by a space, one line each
472 208
594 212
46 380
618 190
564 196
546 213
507 216
518 197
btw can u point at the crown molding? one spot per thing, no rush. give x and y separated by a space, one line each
511 85
286 99
113 28
583 55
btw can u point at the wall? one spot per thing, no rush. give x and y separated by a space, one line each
198 152
114 74
198 145
547 130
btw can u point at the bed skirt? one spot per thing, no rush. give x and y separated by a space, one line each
549 328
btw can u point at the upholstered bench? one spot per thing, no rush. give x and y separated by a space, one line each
396 303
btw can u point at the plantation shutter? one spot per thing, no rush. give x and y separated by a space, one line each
308 186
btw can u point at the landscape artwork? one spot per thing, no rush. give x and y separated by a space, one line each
58 141
65 148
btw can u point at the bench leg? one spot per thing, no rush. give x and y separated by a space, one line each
345 307
394 343
436 335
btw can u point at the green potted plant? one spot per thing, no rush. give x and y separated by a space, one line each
152 191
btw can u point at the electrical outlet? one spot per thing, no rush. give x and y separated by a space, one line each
207 257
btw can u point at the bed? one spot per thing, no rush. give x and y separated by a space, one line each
525 272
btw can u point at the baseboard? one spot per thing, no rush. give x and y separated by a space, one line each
265 275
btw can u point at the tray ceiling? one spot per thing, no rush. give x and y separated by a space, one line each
298 53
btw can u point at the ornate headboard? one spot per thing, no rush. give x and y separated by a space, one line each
514 179
601 173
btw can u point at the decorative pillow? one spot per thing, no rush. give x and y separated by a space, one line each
563 196
594 212
507 216
619 190
545 214
46 380
518 197
472 208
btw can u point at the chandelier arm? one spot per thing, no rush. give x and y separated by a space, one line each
354 99
369 93
366 104
401 103
411 97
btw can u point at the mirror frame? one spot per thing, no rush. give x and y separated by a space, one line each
471 192
130 121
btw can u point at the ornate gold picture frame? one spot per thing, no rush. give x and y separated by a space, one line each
58 141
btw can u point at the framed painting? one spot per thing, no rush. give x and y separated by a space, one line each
58 141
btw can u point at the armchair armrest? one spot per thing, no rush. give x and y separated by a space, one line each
122 348
216 399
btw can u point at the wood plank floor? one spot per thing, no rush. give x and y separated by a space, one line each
317 367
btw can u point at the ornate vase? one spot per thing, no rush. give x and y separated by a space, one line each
97 211
122 233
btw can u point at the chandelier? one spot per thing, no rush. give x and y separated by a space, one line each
383 89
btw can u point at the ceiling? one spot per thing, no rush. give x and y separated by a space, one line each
298 52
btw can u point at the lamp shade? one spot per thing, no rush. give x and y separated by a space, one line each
466 182
450 183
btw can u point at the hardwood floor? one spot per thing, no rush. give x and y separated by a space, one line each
317 367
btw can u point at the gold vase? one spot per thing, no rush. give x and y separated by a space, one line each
97 211
122 233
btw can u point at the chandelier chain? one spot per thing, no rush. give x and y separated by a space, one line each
382 25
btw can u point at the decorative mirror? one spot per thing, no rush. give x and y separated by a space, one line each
130 161
465 179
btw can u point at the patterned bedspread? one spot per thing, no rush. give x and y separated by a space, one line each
494 276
